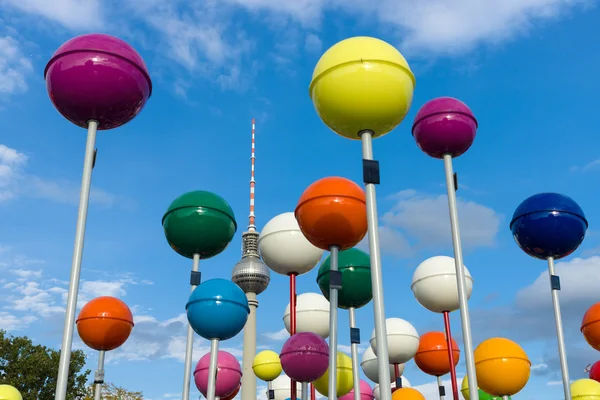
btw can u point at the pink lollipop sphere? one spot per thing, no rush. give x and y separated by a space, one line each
305 357
366 393
229 374
444 126
97 77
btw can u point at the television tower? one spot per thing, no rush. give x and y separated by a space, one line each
253 276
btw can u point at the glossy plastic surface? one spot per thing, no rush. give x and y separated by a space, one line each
267 365
100 77
362 83
406 393
403 340
432 354
104 323
595 372
355 266
232 395
405 384
333 212
548 225
312 314
369 366
590 326
444 126
285 249
217 309
366 392
199 222
229 374
305 357
282 386
344 382
585 389
464 390
8 392
502 367
434 284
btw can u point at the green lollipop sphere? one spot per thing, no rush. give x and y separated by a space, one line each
355 266
199 222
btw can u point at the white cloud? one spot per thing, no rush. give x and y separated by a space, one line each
73 14
279 335
587 167
431 390
14 67
312 43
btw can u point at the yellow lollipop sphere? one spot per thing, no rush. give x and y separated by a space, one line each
502 367
8 392
585 389
344 377
266 365
464 388
362 83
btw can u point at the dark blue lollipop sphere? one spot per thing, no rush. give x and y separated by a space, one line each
217 309
548 225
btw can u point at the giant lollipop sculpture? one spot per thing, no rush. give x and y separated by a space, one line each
8 392
362 88
366 392
585 389
590 327
217 310
432 358
550 226
434 285
355 269
286 251
281 388
369 366
344 378
228 375
104 324
267 367
405 384
445 128
197 225
97 82
332 215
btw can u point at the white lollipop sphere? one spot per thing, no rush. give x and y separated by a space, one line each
434 284
405 384
285 249
312 314
282 386
369 366
402 339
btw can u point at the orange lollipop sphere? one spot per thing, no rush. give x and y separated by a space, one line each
432 354
407 394
502 367
590 326
104 323
333 212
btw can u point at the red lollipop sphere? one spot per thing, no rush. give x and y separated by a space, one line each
595 371
432 354
305 357
444 126
333 212
104 323
97 77
590 326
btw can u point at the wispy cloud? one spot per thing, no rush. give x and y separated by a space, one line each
592 165
14 67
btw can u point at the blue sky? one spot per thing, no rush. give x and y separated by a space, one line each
527 69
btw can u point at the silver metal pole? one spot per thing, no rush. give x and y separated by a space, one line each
189 344
333 316
304 390
461 279
440 385
212 369
84 199
354 352
383 363
99 378
269 388
562 352
248 377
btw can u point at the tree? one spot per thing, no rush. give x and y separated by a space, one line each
33 369
113 392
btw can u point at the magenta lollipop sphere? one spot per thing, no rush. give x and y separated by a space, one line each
366 392
444 126
305 357
229 374
97 77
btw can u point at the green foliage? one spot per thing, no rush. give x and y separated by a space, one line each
113 392
33 369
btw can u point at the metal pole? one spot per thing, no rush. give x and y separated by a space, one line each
99 378
305 390
562 352
333 312
460 278
450 355
440 387
293 393
354 351
313 392
397 376
248 377
270 394
383 363
189 344
212 369
84 199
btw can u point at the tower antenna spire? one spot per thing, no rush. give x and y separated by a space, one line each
251 226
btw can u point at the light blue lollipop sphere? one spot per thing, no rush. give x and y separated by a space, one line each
217 309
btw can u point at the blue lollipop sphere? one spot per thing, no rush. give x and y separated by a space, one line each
548 225
217 309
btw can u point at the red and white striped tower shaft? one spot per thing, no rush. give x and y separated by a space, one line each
252 227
